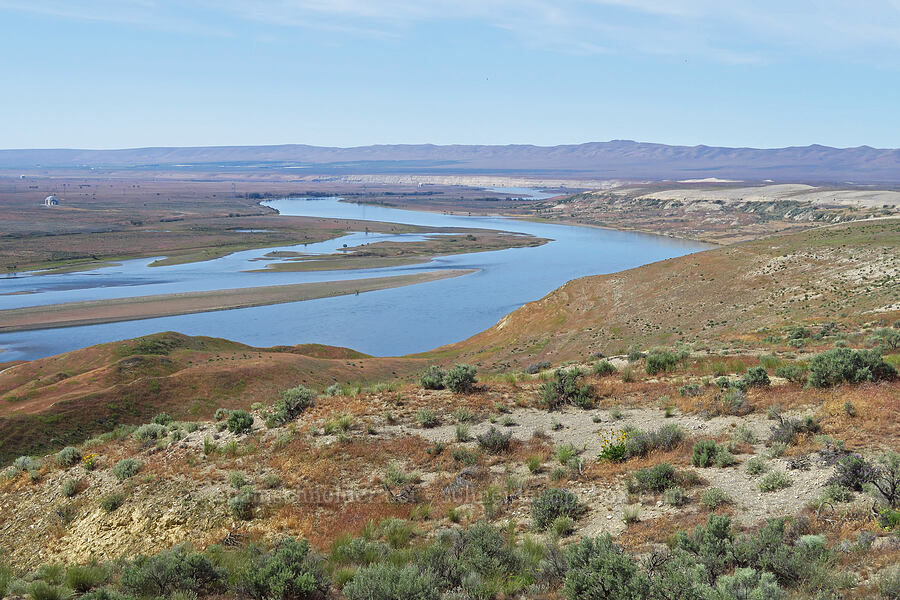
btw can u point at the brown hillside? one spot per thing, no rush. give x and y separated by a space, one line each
66 398
847 274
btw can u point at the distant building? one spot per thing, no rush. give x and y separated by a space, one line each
51 201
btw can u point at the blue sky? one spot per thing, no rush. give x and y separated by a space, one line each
128 73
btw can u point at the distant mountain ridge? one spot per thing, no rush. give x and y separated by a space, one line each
614 159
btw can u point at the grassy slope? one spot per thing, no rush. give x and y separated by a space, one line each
64 399
849 274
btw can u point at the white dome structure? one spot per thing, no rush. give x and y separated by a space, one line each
51 201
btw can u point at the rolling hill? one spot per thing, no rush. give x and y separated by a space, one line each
620 159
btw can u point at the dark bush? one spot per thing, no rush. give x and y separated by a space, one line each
853 472
177 569
461 379
689 390
757 377
433 378
239 421
535 368
600 570
793 373
787 430
385 581
111 502
555 503
83 578
843 365
289 572
704 453
494 441
162 419
657 479
565 389
604 368
659 361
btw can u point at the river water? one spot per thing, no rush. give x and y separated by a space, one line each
388 322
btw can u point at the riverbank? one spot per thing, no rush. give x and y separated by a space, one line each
94 312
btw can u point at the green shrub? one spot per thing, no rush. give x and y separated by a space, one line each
396 532
388 582
689 390
552 504
885 338
889 583
853 472
237 479
111 502
239 421
704 453
743 435
535 368
242 503
534 463
835 492
842 365
461 379
83 578
793 373
724 458
657 479
149 431
395 475
604 368
565 453
290 405
563 526
600 570
162 419
462 432
289 572
885 484
494 441
125 468
675 496
757 377
714 497
178 569
41 590
660 361
433 378
221 414
463 415
566 389
774 481
68 456
70 487
464 456
427 418
756 466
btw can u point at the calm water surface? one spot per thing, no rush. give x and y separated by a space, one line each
386 322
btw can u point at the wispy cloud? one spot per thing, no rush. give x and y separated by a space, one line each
731 31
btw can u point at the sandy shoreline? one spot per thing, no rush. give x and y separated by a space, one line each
94 312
